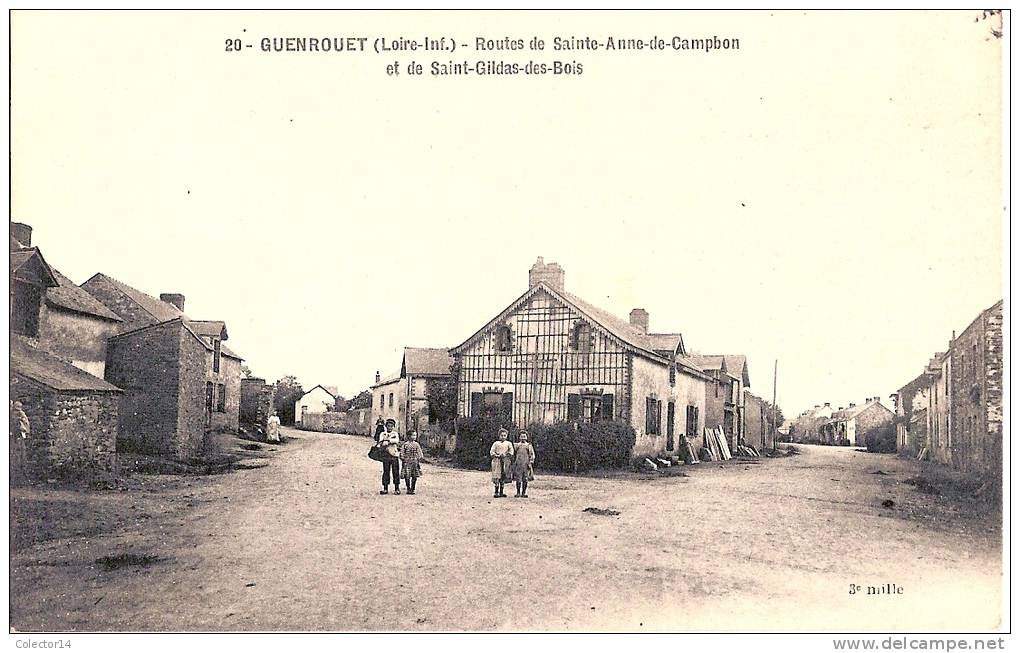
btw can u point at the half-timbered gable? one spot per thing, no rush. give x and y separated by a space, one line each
551 356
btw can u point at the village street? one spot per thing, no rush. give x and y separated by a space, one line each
305 542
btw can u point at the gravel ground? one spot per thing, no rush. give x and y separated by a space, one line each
305 542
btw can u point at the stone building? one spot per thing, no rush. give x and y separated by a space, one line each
807 427
850 426
975 395
551 356
757 430
72 414
58 351
911 409
724 398
189 374
403 396
960 396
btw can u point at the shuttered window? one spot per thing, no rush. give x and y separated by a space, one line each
653 416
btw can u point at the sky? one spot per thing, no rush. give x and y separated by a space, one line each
829 196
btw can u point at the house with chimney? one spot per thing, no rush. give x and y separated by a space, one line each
807 427
403 395
179 380
850 426
910 406
58 335
552 356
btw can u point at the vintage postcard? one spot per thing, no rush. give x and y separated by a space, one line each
518 321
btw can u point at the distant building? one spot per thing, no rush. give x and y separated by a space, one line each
851 425
724 399
315 401
403 396
807 427
911 408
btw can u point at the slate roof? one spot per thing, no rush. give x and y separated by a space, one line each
732 364
70 296
664 341
48 370
850 413
187 327
389 379
164 312
22 257
212 328
421 361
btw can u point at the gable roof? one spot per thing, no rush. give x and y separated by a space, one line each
426 361
159 310
733 364
210 328
165 312
70 296
30 261
48 370
323 388
186 325
630 337
850 413
672 342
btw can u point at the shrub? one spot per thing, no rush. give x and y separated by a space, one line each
881 439
569 447
475 436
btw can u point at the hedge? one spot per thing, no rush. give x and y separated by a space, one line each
562 446
882 439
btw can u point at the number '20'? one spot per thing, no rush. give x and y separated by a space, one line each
233 45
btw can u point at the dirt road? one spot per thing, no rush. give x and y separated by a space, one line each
307 543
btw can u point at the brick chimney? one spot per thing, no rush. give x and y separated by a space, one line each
639 319
377 377
552 274
173 298
22 233
852 404
827 405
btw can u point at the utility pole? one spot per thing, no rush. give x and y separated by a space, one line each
775 430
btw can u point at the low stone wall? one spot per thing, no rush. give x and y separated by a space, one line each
323 422
256 402
72 433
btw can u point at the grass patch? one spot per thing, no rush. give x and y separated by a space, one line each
121 560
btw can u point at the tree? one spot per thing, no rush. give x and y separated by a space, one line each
779 419
442 398
362 400
288 390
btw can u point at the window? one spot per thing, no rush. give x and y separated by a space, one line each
504 339
672 374
382 401
221 399
653 416
589 407
581 338
692 421
492 404
216 355
391 400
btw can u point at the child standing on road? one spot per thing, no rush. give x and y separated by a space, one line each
524 458
501 453
389 441
411 456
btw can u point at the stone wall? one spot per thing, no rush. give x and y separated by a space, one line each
145 365
976 394
72 433
651 379
255 404
230 377
324 422
193 419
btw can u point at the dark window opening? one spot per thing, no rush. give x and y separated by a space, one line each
589 408
216 355
504 339
672 374
492 404
221 399
670 427
391 400
653 416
